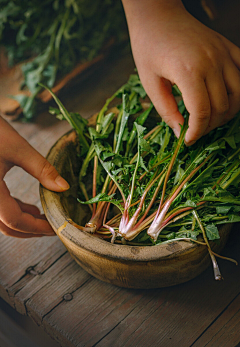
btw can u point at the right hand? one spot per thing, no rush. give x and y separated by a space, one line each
172 47
18 219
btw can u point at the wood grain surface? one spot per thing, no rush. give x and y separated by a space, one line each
39 278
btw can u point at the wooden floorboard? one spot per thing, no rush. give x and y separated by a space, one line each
225 331
57 285
103 315
17 257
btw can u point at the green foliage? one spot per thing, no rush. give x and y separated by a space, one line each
56 35
136 163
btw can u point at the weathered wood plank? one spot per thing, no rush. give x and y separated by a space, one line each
104 315
95 309
17 256
54 286
224 332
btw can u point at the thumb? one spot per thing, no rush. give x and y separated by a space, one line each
37 166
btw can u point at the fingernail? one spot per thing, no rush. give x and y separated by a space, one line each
176 132
190 143
62 183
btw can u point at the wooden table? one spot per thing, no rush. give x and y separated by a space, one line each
39 278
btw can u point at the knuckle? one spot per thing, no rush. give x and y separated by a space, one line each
193 69
47 169
203 114
223 108
12 223
213 59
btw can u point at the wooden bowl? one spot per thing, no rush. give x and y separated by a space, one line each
122 265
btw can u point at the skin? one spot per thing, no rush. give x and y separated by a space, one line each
18 219
171 47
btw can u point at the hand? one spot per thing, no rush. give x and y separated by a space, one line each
18 219
172 47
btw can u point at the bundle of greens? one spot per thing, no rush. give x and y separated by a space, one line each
54 36
147 187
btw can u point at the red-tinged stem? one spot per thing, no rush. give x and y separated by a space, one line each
96 220
85 194
115 219
133 233
151 132
155 227
152 200
179 144
112 231
129 227
180 211
94 187
154 166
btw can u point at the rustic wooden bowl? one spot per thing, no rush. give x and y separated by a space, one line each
122 265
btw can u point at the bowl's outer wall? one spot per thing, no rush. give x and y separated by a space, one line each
125 266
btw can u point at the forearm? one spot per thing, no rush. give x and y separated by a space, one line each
137 10
154 14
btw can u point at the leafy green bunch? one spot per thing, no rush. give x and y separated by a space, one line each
147 187
55 35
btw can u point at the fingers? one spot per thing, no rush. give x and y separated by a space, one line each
28 208
233 50
13 219
20 235
231 77
19 152
160 92
219 100
213 102
37 166
196 99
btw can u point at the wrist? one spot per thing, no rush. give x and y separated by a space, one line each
151 13
144 8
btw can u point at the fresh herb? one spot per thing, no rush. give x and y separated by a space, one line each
55 35
147 187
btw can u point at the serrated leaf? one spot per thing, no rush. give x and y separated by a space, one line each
212 232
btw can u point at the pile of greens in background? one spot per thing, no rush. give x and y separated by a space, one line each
58 34
147 187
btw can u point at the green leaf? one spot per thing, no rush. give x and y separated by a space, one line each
212 232
102 197
231 141
223 209
234 218
124 120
